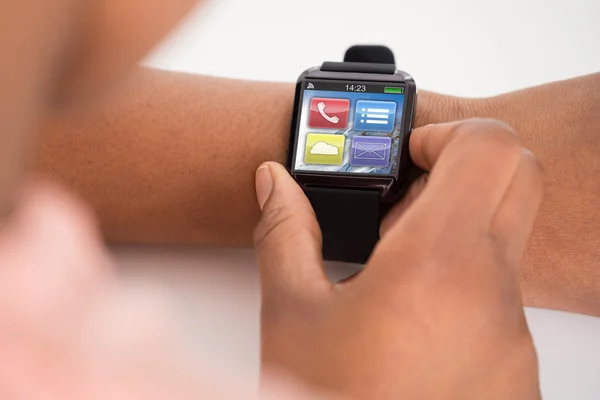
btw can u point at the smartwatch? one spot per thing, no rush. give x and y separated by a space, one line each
349 146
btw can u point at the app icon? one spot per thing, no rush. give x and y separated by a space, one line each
329 113
324 149
377 116
370 151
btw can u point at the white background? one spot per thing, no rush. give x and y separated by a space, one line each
460 47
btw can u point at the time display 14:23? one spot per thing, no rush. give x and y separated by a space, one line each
356 88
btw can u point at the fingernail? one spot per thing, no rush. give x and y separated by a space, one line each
264 185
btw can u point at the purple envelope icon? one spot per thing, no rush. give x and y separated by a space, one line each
370 151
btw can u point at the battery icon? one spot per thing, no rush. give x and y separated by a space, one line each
394 90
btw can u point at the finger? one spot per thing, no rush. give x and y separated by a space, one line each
288 238
458 252
472 164
507 177
518 209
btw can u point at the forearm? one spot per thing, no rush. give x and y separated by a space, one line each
560 123
171 157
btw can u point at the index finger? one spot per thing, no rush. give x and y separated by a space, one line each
472 165
479 176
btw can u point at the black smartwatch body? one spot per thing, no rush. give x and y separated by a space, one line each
349 147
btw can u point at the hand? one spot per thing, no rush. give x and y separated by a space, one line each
71 330
437 312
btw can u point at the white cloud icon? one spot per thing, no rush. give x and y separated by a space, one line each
324 148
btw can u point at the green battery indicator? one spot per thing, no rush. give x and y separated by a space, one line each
394 90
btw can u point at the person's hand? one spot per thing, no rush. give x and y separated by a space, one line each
437 312
69 329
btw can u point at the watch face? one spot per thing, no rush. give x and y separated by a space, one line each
349 128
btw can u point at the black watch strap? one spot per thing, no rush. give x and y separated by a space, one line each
350 218
388 69
370 54
349 221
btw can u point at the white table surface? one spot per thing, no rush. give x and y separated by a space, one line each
460 47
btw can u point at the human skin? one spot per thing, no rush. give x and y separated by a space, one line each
61 53
68 332
411 325
73 329
437 311
69 327
149 160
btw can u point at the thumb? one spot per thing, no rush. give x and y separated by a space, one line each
288 237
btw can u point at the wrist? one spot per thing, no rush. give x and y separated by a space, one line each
559 269
434 108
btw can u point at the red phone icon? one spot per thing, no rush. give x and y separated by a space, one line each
329 113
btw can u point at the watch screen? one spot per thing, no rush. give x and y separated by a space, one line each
349 127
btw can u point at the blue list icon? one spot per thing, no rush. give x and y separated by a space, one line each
375 116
